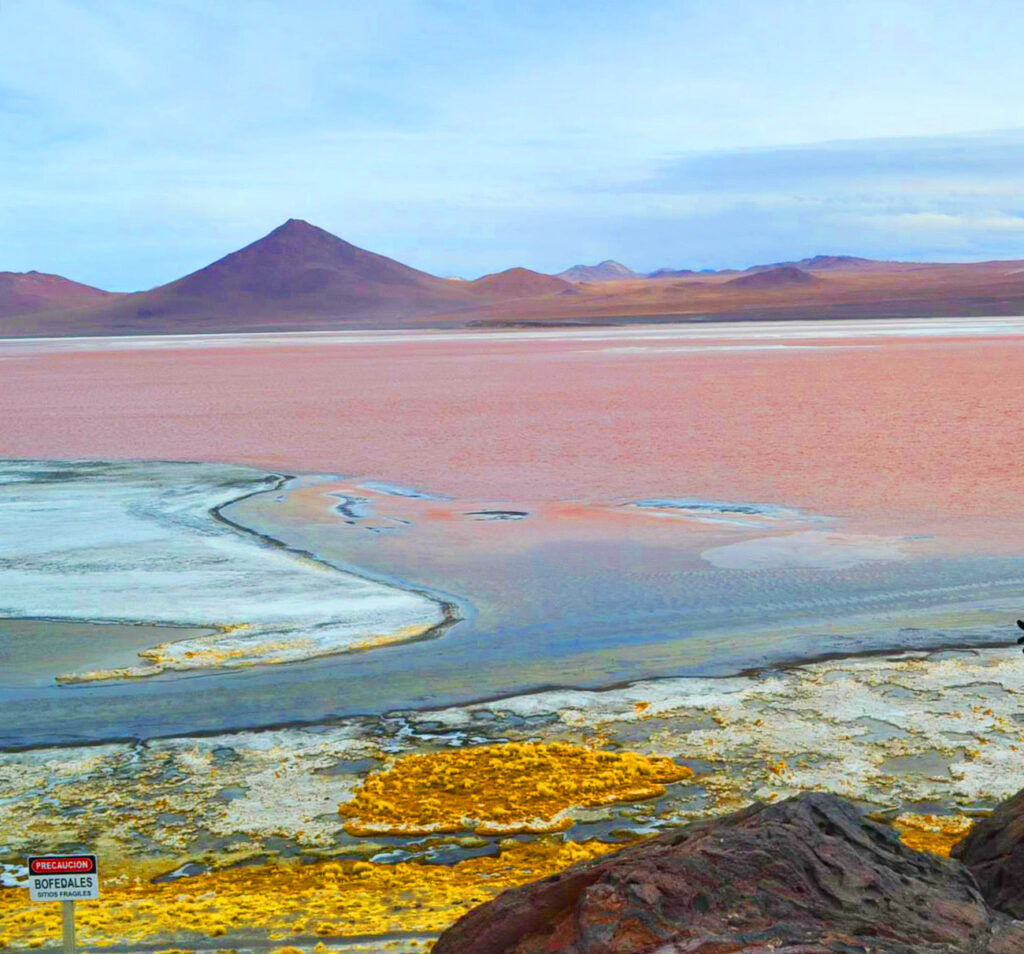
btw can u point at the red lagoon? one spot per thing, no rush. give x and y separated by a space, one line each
919 430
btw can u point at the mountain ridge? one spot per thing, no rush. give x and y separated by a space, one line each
300 277
608 270
41 291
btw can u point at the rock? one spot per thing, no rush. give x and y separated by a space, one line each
809 875
994 853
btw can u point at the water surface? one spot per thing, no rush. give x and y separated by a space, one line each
573 593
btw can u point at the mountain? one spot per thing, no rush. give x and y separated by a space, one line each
301 278
836 261
297 276
781 275
827 263
23 293
602 272
299 269
520 283
671 273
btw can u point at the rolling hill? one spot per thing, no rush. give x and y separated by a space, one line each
520 283
773 278
24 293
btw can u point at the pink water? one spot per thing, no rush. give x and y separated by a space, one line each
923 432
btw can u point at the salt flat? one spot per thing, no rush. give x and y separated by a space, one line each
142 543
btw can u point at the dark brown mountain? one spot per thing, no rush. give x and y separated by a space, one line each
299 269
23 293
297 277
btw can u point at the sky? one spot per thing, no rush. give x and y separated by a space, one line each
140 141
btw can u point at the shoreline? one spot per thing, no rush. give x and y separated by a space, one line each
452 615
163 521
892 654
926 743
511 329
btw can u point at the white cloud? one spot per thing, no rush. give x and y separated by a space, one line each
946 222
139 140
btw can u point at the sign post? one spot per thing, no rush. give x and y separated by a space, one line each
64 878
68 924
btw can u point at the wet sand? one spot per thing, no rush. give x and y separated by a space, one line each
33 650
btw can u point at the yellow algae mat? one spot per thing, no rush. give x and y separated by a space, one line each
398 826
500 789
331 899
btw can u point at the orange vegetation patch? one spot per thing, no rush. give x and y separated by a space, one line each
279 901
502 789
936 834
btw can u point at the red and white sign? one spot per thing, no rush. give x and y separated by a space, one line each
63 878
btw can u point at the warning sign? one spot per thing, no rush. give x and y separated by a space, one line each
63 878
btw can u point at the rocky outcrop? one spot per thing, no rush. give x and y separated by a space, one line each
994 853
805 876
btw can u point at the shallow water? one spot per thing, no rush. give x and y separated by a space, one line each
573 593
32 650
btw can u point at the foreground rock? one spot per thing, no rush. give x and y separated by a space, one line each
994 853
805 876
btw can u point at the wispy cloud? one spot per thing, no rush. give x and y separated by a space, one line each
138 141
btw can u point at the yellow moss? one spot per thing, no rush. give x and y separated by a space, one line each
401 635
213 656
100 675
377 899
501 789
936 834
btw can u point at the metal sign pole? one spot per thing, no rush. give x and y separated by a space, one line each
69 926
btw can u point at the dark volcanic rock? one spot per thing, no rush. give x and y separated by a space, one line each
994 853
806 876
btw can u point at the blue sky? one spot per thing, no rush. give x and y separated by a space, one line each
139 141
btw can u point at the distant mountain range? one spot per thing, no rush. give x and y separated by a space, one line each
671 273
300 277
773 277
601 272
